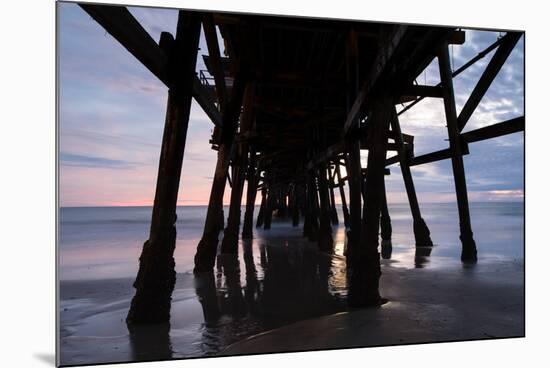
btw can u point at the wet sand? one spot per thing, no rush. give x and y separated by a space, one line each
424 306
281 294
285 283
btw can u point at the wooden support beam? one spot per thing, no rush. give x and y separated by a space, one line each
392 160
496 130
282 206
307 227
486 79
156 276
250 196
269 204
231 234
438 155
389 146
365 262
421 231
431 157
122 25
207 248
340 183
469 251
326 242
423 91
333 211
385 220
407 138
294 204
353 148
313 197
457 38
261 211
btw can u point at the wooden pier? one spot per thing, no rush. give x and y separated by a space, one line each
294 102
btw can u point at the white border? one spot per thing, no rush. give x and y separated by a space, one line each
28 180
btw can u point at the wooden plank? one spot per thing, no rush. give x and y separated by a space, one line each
457 38
423 91
392 160
378 67
389 146
486 79
431 157
405 99
122 25
496 130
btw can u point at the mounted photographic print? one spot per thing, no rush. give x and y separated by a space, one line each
234 183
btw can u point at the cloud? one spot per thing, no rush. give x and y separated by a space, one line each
112 112
75 160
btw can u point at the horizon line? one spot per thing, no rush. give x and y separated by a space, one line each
256 205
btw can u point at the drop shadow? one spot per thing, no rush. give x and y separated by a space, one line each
46 358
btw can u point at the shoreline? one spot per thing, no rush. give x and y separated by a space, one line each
425 306
280 281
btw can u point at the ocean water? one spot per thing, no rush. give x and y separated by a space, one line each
278 278
105 242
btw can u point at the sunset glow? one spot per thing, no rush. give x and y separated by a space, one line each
112 109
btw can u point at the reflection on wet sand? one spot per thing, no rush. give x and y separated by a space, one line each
272 282
295 285
386 249
422 256
150 342
205 288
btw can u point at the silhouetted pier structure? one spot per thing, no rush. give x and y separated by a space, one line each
294 101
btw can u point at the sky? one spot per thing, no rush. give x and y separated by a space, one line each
112 110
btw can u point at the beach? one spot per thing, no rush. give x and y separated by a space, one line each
281 293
